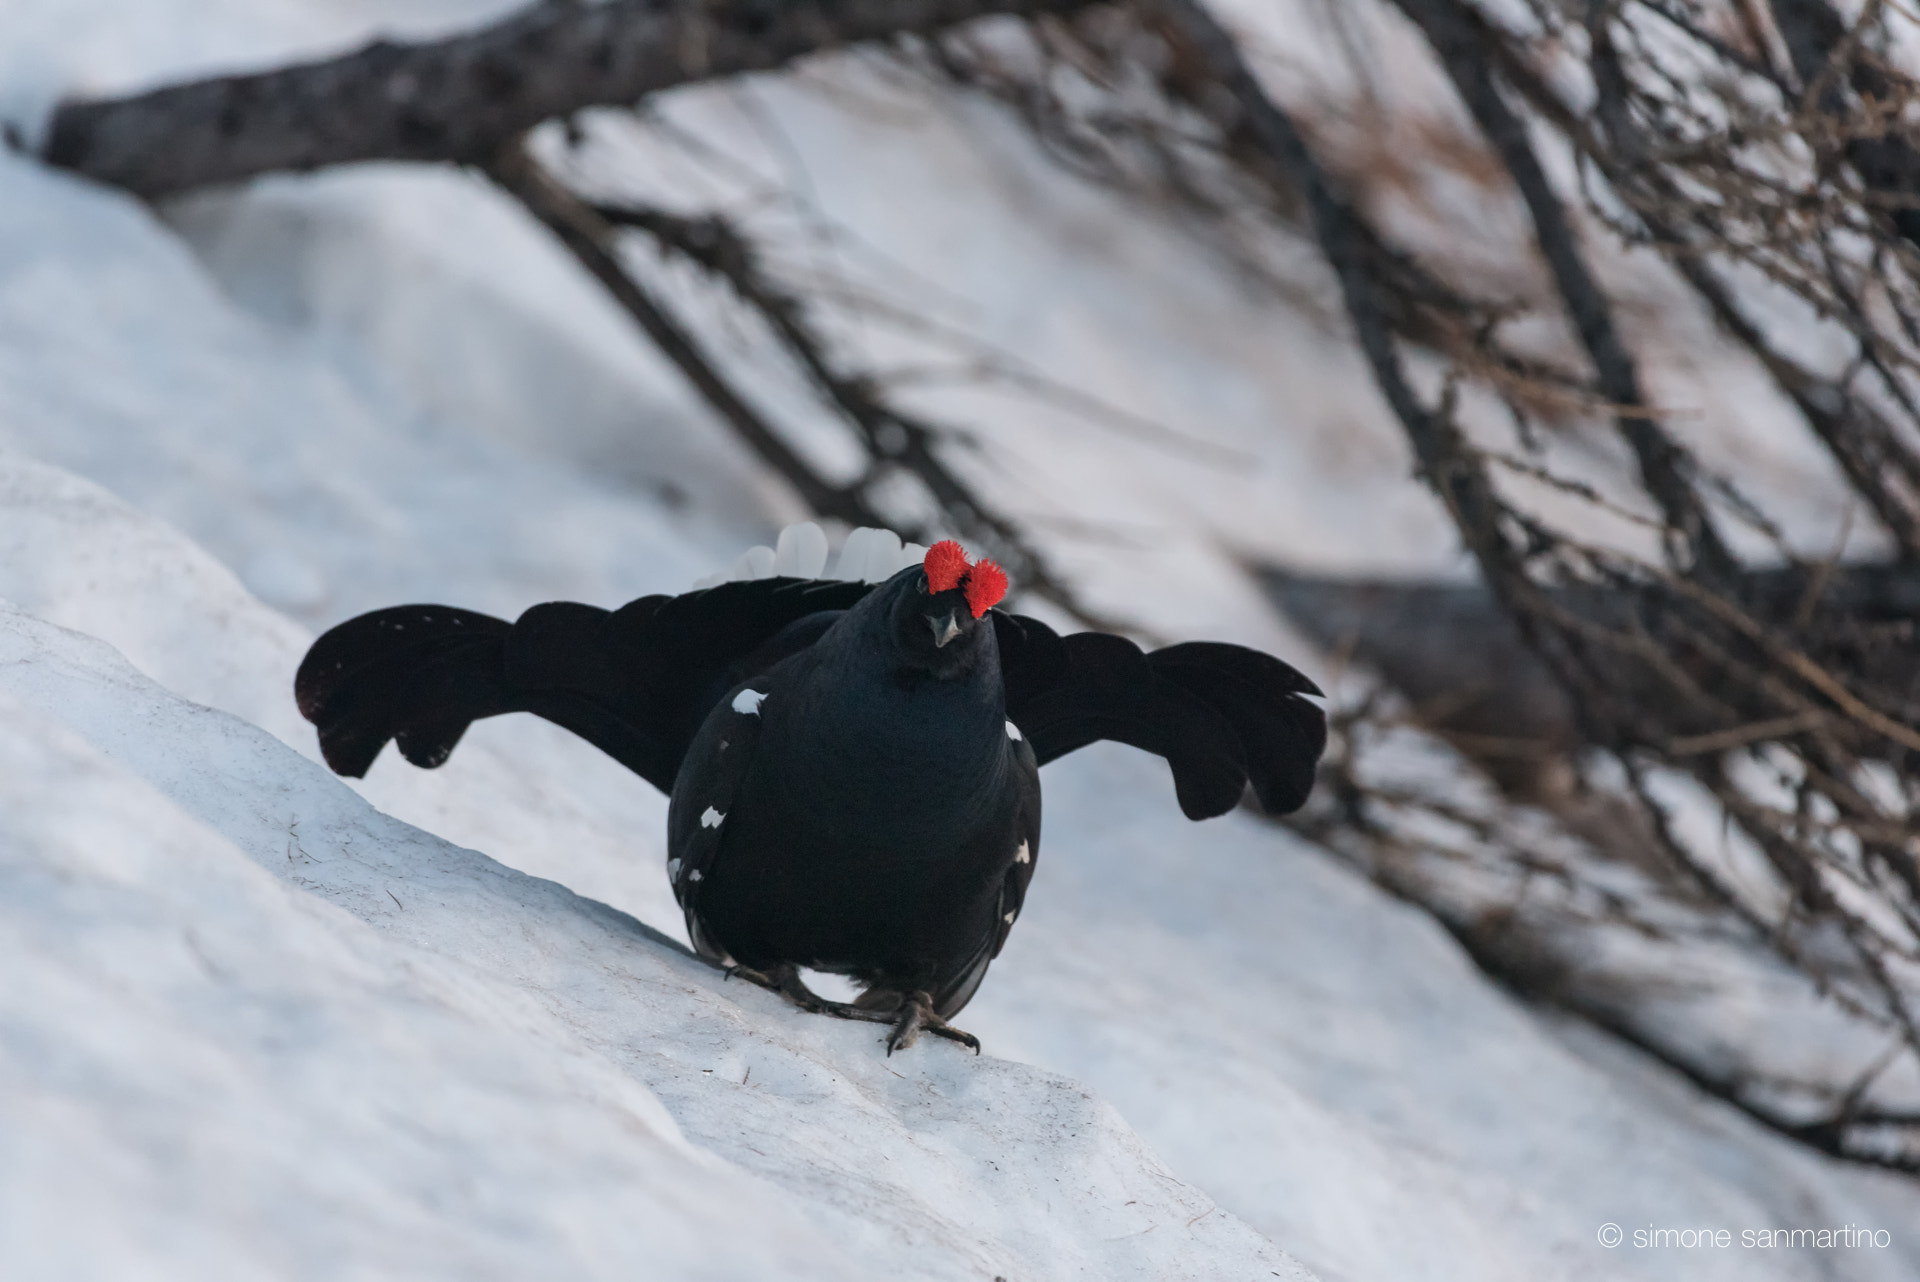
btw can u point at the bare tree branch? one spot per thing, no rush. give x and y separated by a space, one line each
1451 650
1865 444
464 98
891 436
1666 467
591 239
1455 476
1815 35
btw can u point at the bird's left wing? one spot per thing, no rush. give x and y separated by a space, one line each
1223 716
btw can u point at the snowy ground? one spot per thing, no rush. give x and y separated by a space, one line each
261 1023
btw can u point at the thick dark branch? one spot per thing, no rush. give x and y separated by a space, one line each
1461 663
1665 466
1453 472
1867 445
465 98
591 240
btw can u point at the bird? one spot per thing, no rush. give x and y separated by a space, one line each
853 763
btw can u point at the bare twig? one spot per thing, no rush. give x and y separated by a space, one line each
591 239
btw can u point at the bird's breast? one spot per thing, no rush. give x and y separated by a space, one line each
907 766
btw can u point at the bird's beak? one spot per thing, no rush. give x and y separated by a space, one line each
945 628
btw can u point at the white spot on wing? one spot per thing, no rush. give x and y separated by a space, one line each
748 702
1021 856
1009 919
694 875
1013 732
673 870
711 819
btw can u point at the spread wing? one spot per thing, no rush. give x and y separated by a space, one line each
1223 716
635 682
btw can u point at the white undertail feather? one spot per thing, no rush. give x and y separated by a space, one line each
868 556
801 551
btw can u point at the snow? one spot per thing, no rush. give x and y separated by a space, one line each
263 1022
435 1042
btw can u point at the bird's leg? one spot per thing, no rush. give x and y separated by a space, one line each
915 1014
785 980
910 1013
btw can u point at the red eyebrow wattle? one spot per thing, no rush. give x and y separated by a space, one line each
946 565
986 585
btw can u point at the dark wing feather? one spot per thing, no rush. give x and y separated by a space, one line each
1281 734
1033 659
1222 716
636 682
696 820
675 656
416 673
955 992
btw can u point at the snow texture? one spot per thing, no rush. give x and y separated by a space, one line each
259 1021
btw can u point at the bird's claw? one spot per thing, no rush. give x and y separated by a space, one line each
915 1015
752 976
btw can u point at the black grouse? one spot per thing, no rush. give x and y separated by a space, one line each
854 767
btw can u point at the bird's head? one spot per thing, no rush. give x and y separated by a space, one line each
940 610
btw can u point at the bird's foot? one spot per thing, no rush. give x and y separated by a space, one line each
910 1013
752 976
915 1015
785 980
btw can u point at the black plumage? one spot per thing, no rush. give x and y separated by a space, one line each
853 767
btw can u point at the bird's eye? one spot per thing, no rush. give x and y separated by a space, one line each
923 583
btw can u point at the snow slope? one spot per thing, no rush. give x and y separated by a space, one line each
254 1024
267 1027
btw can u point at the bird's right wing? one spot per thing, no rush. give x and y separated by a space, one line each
1223 716
635 682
